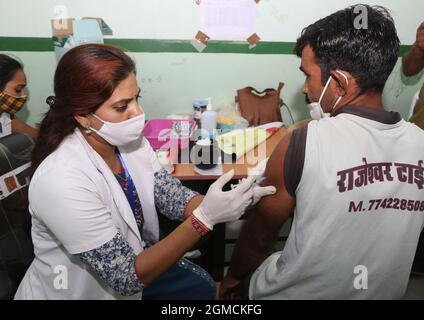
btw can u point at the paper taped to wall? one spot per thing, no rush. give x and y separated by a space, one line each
106 30
202 37
68 33
200 41
228 19
253 40
87 31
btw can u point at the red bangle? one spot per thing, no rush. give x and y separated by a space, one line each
198 225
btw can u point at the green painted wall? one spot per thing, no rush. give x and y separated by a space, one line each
171 74
170 81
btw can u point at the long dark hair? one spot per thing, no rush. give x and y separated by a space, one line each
8 68
368 54
85 78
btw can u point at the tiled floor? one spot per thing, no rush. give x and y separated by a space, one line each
415 289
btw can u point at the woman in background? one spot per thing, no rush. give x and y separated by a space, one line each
12 97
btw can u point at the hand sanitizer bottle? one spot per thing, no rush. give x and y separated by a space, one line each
208 122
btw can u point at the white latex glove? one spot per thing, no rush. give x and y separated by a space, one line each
219 206
260 192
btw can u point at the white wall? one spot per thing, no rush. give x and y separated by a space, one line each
170 81
277 20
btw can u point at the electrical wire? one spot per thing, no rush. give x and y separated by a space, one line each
288 109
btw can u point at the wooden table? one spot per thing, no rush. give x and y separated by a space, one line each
214 257
185 171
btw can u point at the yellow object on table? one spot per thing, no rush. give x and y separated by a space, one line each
239 142
226 118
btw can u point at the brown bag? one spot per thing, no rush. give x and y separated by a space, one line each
260 107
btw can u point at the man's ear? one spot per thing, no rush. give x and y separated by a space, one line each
344 81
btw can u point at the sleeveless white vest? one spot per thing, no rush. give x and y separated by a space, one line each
359 213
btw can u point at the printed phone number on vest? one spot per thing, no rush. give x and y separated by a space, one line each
391 203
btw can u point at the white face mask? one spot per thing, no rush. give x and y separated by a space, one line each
316 109
121 133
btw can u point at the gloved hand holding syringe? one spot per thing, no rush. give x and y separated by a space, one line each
258 181
220 206
258 190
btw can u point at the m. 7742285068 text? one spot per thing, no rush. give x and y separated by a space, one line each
387 204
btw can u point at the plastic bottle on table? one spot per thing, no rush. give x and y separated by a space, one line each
208 122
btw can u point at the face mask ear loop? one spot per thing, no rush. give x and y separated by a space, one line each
340 97
337 102
88 128
347 80
97 117
322 96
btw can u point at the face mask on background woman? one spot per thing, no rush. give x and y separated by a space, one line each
11 104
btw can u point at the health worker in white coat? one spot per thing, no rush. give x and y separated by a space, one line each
96 187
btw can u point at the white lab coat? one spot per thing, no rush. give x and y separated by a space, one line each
77 205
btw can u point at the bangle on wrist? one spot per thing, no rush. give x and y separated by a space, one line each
198 213
198 225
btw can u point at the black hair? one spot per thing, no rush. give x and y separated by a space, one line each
8 68
369 54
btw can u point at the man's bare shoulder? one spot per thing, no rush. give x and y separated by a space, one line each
276 162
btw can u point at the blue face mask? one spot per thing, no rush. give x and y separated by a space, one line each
316 109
